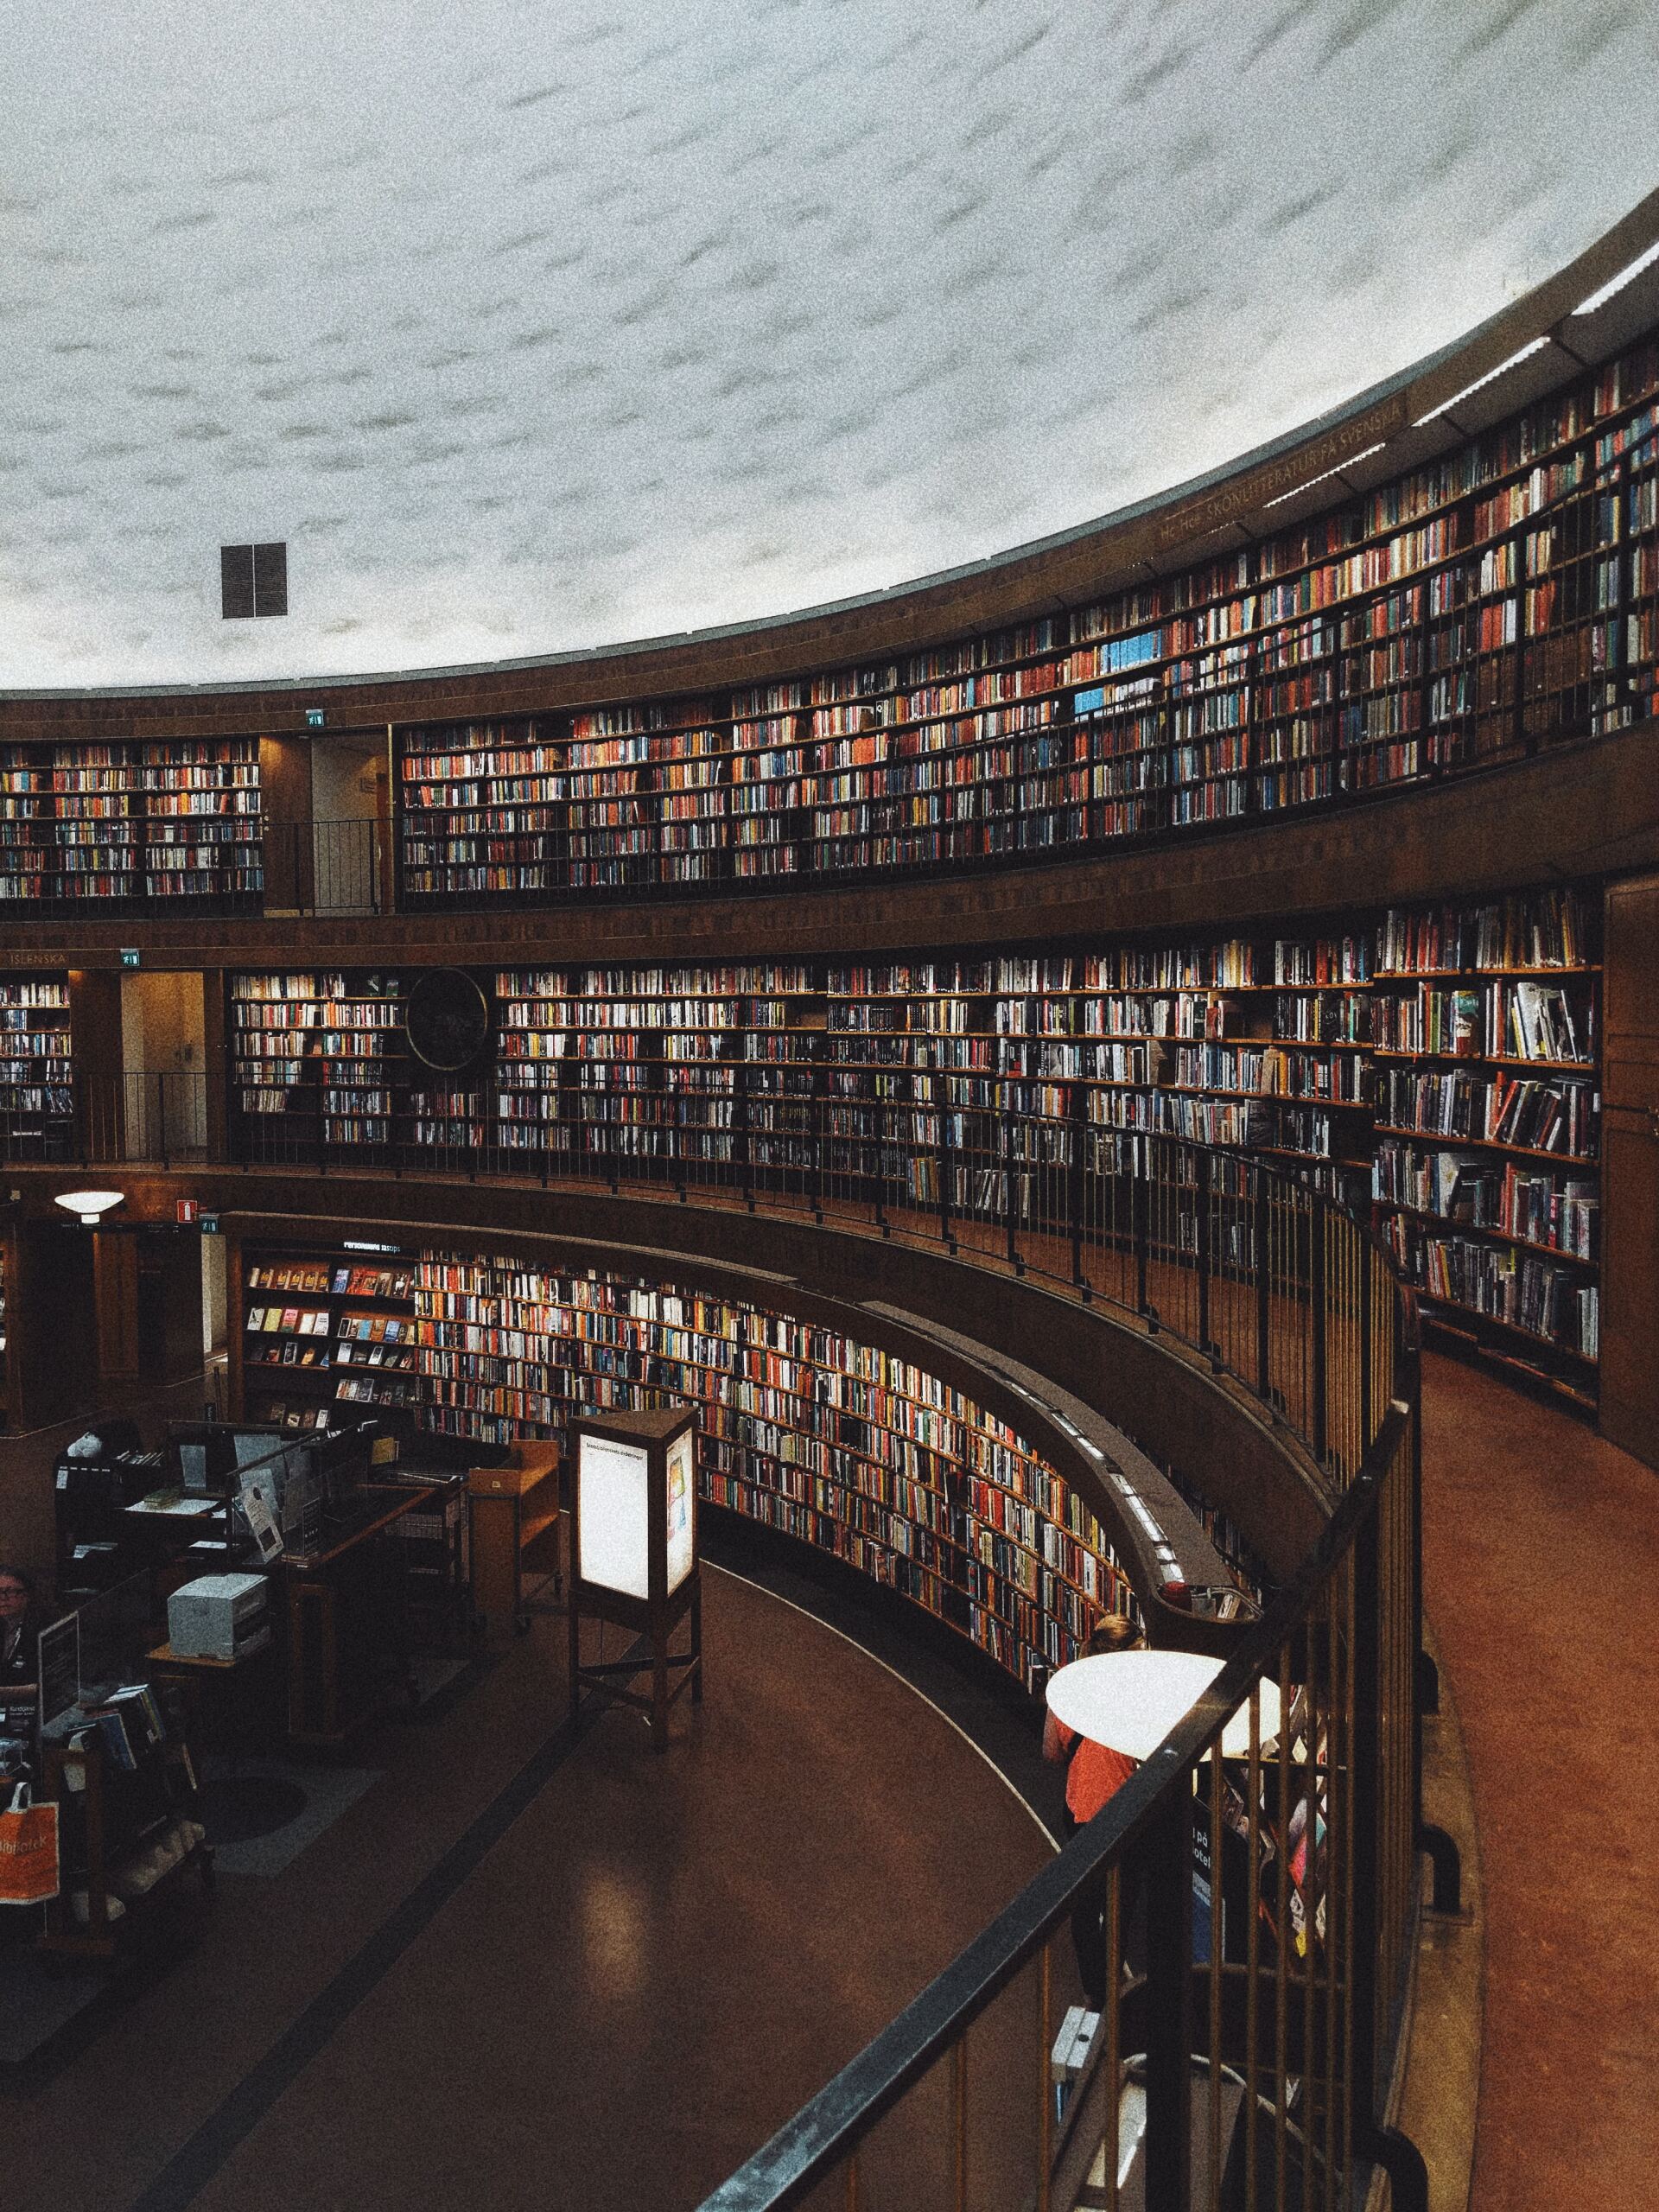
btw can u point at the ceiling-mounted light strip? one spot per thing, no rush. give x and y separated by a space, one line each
1491 376
1324 476
1627 275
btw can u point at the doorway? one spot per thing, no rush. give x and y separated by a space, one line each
350 801
164 1061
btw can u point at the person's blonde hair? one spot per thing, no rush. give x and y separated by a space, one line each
1115 1632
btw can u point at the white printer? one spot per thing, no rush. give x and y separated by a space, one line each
219 1617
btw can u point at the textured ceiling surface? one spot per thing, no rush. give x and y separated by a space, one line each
535 327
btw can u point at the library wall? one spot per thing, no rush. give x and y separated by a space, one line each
1436 1069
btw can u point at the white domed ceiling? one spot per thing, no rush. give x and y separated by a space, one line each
534 327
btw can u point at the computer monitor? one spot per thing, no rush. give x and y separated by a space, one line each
206 1456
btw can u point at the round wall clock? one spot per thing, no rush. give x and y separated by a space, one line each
447 1020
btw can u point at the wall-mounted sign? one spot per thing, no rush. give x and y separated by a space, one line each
314 718
129 957
209 1224
189 1210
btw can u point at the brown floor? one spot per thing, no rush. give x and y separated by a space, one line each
658 1959
1540 1549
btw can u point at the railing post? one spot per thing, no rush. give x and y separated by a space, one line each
745 1158
881 1221
1079 1135
161 1119
947 1161
1010 1204
1201 1193
818 1143
1168 1862
1263 1232
1371 2139
1316 1291
1140 1228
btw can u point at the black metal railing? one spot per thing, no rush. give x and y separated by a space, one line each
327 867
1290 1861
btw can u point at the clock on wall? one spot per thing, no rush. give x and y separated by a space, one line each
447 1020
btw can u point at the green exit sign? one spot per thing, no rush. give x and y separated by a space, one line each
314 717
128 956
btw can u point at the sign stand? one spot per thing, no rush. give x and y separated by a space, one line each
633 1554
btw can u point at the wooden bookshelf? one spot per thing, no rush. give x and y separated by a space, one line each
120 825
1499 599
1487 1178
37 1100
316 1059
839 1443
965 1086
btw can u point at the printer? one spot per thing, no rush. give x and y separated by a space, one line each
219 1617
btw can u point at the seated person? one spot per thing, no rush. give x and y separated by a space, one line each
20 1624
1094 1774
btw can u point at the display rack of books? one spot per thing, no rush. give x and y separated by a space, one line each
1497 598
124 823
1487 1180
37 1100
325 1331
315 1062
839 1443
202 821
124 1783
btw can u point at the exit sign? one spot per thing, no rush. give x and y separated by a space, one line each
314 717
128 956
208 1224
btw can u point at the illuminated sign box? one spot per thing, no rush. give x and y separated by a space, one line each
634 1516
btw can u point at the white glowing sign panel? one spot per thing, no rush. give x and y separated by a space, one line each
613 1517
682 1510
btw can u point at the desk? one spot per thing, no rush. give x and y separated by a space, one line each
345 1617
229 1702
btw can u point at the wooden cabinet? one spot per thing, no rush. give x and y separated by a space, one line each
514 1512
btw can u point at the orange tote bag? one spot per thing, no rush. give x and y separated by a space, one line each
28 1850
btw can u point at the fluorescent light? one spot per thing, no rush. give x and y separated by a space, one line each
89 1204
1491 376
1324 476
1627 275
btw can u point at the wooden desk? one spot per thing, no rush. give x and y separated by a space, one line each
229 1702
514 1526
345 1614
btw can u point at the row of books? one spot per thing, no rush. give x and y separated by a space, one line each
1541 1299
1528 1112
1560 1214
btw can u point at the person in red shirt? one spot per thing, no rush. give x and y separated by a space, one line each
1094 1774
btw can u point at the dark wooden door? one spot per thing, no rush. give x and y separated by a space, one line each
1630 1175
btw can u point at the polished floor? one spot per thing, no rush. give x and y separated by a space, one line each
521 1971
1540 1549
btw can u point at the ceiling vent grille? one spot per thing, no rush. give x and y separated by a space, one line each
253 580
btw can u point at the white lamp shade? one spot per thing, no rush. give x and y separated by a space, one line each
1129 1700
90 1205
